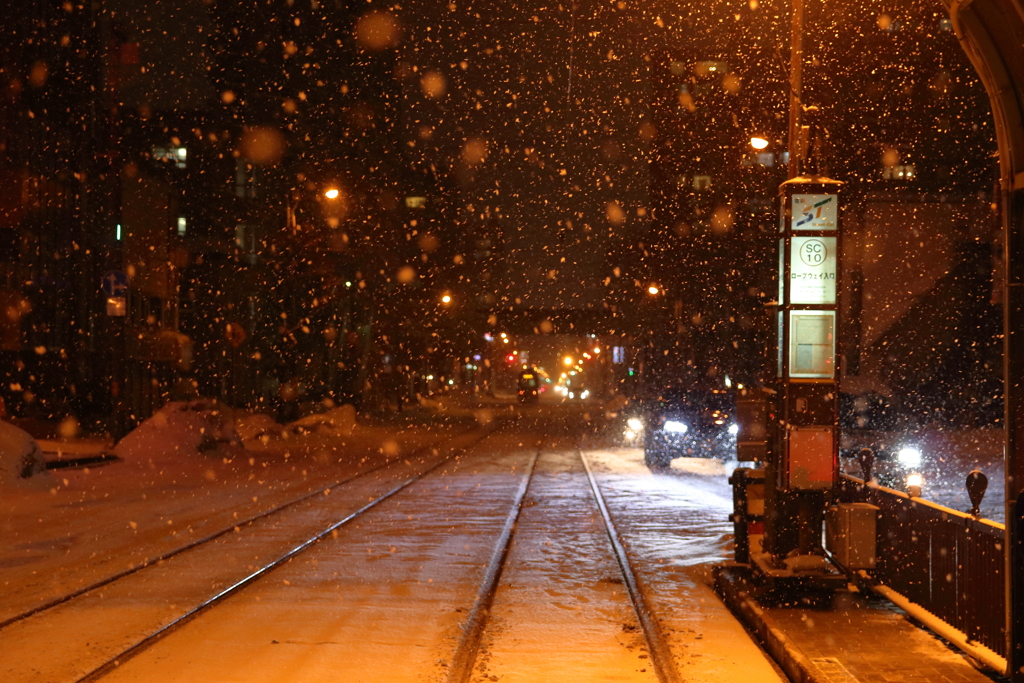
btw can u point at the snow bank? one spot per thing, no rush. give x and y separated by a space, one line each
257 426
179 429
340 420
20 456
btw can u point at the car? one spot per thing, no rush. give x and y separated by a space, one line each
686 422
869 422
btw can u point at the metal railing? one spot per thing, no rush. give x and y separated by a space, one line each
947 562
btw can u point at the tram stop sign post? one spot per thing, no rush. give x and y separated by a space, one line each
802 465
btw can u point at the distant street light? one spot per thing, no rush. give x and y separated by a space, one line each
332 193
567 360
758 143
446 299
653 290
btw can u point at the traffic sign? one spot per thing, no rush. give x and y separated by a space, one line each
115 284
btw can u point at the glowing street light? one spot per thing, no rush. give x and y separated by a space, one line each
446 299
332 193
758 143
567 360
653 290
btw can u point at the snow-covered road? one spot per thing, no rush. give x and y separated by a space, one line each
385 596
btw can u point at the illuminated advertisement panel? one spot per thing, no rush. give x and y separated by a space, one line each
812 344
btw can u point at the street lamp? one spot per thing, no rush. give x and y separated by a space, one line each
332 193
653 290
446 299
758 142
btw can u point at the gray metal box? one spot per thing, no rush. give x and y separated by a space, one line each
850 534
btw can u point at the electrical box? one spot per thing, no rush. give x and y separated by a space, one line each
752 438
850 534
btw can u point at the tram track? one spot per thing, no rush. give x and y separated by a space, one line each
464 659
142 645
231 528
661 653
197 612
100 588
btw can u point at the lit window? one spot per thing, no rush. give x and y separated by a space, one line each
245 179
945 24
701 182
415 202
618 354
182 226
176 155
243 237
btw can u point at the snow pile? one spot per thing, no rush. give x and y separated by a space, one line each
20 456
340 420
257 426
180 428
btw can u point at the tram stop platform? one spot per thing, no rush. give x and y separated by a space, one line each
852 638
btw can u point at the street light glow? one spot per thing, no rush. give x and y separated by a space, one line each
758 143
567 360
332 193
653 289
446 299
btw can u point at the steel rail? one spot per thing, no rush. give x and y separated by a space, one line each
661 654
468 647
148 641
148 562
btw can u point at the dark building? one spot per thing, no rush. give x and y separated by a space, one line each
191 146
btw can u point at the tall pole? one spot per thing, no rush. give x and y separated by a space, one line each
1013 369
796 61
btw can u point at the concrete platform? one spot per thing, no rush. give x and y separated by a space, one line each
852 638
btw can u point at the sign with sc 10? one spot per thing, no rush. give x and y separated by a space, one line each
812 270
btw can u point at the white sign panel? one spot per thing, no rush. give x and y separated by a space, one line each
812 270
815 212
812 344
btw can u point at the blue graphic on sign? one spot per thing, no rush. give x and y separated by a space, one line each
115 284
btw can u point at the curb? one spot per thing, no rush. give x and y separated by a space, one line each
730 584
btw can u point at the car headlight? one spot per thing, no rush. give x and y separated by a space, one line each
635 423
734 429
674 427
909 457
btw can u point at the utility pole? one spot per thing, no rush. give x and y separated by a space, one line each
796 69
